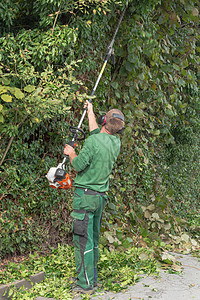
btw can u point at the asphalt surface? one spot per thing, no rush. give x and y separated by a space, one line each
184 286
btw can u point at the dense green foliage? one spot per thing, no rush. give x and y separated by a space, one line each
51 53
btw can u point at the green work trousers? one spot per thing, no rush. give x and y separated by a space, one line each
86 224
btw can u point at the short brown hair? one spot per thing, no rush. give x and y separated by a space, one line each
114 122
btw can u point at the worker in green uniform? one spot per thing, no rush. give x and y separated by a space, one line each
93 164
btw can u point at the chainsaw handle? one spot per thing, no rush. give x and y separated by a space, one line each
72 143
76 131
65 159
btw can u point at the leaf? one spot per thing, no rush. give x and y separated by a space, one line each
147 214
67 107
111 206
156 132
167 226
139 151
6 98
176 267
132 91
132 58
129 66
143 208
117 94
151 207
168 258
185 237
155 216
126 243
139 113
18 94
3 89
115 84
144 256
10 292
176 67
194 242
153 87
142 105
195 12
181 82
29 88
109 237
169 112
1 107
177 240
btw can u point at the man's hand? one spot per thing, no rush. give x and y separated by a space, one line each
89 106
69 150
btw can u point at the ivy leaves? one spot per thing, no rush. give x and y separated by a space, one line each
117 270
156 61
155 84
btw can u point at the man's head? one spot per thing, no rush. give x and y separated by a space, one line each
113 121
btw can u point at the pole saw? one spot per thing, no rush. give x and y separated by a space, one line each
57 176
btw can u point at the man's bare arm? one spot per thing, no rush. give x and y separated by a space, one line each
91 116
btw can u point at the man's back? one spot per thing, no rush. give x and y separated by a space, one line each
95 161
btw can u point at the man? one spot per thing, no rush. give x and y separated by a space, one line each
93 165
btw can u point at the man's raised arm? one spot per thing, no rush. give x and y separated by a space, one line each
91 116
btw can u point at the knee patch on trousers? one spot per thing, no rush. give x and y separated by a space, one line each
79 223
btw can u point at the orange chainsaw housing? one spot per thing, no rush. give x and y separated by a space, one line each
66 183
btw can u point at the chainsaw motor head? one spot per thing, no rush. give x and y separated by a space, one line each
58 178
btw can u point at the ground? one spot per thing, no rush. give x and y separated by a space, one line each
183 286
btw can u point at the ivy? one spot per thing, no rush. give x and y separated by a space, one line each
51 53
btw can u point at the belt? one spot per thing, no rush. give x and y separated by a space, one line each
91 192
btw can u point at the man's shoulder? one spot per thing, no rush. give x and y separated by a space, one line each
95 131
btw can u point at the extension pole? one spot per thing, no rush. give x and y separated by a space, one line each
110 51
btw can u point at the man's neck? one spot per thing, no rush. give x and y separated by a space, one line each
103 129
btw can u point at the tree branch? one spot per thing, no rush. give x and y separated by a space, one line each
10 141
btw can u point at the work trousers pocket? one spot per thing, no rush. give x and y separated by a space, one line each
90 202
79 223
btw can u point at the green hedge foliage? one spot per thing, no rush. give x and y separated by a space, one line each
51 53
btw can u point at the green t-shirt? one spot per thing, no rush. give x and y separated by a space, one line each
95 161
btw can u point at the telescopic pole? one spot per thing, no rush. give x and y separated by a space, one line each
110 52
